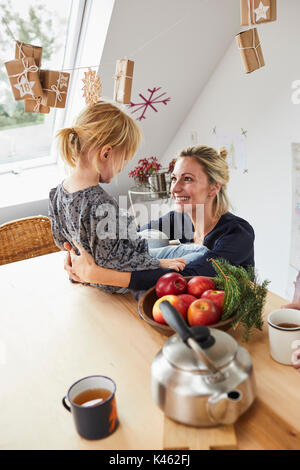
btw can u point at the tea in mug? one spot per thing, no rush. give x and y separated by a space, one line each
288 325
92 397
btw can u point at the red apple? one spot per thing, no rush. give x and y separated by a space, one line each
175 301
203 312
216 296
187 299
170 284
199 284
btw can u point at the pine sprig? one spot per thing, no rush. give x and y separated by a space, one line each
244 295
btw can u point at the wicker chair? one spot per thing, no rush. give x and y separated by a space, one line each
26 238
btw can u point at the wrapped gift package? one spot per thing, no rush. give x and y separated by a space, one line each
28 50
251 52
36 106
123 81
24 78
55 88
258 11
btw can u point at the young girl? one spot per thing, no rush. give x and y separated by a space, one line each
97 148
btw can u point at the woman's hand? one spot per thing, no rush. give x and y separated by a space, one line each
82 266
294 305
296 352
178 264
68 263
296 359
84 269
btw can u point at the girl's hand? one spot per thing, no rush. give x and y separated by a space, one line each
178 264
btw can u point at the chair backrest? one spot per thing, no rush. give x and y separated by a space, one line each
26 238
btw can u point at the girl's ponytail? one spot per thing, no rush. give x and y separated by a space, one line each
69 144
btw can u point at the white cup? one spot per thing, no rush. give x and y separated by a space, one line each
283 341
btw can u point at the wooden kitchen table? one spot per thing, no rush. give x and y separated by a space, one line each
53 332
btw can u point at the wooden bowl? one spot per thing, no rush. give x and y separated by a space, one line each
145 306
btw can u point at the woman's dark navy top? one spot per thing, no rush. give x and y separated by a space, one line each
232 239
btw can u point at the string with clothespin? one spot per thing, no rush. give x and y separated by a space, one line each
119 77
18 43
133 53
120 74
8 29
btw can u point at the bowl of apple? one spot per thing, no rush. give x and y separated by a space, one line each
196 299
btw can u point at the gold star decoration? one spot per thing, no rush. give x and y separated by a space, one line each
92 87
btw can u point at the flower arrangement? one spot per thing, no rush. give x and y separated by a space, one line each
145 168
171 165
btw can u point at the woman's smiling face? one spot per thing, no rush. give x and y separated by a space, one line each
189 184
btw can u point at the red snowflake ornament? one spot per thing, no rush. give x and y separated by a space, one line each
148 102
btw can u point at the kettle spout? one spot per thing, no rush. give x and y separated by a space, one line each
225 408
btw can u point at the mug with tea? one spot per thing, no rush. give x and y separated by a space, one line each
93 406
284 334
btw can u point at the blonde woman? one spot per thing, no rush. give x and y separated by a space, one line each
102 141
199 179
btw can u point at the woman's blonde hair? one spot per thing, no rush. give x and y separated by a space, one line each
98 125
216 169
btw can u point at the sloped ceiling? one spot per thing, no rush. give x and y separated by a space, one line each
176 45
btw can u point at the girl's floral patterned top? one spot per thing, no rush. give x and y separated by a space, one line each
93 218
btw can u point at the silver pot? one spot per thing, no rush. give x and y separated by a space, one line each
157 182
201 377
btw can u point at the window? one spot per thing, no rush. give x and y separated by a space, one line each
26 139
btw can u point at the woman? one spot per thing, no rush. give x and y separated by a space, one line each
199 181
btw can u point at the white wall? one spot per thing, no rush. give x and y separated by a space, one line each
260 103
176 45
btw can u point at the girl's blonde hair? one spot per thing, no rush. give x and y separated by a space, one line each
216 169
96 126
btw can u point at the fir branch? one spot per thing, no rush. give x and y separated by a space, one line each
244 295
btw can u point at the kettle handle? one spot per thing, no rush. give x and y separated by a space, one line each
175 320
